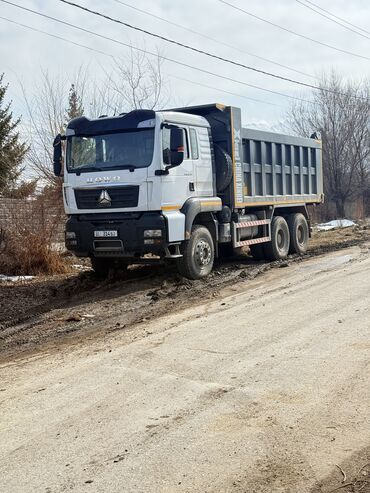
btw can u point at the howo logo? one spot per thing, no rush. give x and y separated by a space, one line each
103 179
104 199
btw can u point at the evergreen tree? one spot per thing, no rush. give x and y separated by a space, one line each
75 106
12 150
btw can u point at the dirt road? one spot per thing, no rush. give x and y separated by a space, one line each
55 312
264 388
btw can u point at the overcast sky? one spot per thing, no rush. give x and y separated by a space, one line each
23 53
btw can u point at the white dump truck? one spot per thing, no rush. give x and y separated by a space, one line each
187 184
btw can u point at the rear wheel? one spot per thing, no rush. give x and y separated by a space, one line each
278 247
104 266
198 254
299 233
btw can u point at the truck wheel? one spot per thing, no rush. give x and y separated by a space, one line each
278 247
299 233
224 168
257 251
198 254
103 266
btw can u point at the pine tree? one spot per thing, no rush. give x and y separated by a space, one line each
12 150
75 106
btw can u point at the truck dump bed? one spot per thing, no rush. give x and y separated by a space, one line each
268 168
279 168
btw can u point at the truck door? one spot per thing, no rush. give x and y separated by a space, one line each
202 163
179 183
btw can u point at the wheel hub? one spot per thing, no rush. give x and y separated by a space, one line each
280 240
300 235
203 253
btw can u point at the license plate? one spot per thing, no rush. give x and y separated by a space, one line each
105 234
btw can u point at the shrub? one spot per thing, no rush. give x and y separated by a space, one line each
29 239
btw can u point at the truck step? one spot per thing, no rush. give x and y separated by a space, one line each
176 253
248 224
252 241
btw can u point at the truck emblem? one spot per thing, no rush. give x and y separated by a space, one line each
104 199
101 179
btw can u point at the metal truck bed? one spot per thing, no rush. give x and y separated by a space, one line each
278 168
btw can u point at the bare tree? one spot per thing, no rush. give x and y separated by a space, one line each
342 116
135 82
47 107
362 147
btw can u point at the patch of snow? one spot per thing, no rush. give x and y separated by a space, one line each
336 223
15 278
80 267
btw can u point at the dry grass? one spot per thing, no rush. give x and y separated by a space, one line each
26 243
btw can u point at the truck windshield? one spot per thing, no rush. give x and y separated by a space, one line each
129 149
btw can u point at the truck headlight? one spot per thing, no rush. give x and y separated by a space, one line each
70 235
152 233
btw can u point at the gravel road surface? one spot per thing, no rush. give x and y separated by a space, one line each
264 389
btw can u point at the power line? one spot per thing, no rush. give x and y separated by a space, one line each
222 90
197 50
339 18
154 54
111 56
293 32
213 39
332 20
55 36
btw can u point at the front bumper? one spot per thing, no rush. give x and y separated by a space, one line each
130 241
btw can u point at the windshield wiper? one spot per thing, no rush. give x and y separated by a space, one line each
131 167
86 168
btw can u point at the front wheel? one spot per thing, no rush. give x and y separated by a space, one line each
198 254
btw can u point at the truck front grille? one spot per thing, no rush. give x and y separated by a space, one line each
107 198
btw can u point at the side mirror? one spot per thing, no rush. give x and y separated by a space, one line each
57 155
175 155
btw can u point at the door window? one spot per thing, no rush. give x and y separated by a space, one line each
194 144
166 142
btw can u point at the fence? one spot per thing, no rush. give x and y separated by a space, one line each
40 214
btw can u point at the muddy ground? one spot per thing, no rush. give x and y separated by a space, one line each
49 312
259 386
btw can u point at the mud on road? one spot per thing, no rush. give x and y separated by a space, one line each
260 388
47 313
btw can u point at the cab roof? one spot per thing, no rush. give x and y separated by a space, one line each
183 118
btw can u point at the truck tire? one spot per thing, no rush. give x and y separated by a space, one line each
198 254
257 251
299 233
224 168
278 247
103 266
